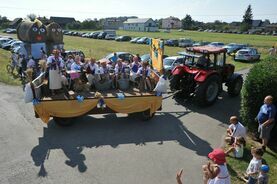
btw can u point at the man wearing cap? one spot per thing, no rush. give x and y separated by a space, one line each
266 118
236 129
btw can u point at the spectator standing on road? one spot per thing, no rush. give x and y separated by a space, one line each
266 118
272 51
236 129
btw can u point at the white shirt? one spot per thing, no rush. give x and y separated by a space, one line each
141 70
238 130
93 68
119 69
254 166
52 59
223 176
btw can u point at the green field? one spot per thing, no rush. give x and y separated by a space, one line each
100 48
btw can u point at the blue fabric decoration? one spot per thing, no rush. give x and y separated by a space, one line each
120 96
150 41
35 101
161 44
80 98
156 53
159 93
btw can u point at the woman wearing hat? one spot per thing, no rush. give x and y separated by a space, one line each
216 172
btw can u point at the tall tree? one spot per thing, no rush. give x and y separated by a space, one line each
187 22
247 19
31 16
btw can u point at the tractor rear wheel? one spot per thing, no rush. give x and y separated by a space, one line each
174 82
234 87
206 93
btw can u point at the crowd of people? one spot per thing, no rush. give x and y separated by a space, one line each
216 171
66 71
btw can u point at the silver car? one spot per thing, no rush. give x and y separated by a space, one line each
247 54
184 42
170 62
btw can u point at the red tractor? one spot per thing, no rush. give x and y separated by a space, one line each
202 74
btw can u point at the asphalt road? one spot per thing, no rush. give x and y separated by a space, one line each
109 149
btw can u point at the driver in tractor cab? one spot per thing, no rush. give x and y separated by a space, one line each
203 61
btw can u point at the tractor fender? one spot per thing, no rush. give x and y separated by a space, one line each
233 77
202 75
178 70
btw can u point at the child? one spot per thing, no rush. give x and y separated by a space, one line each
263 177
252 170
216 171
237 148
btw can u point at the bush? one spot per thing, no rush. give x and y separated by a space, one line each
260 82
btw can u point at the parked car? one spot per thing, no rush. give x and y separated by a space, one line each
184 42
200 44
143 40
123 38
73 52
94 35
7 45
110 37
247 54
3 40
85 35
170 62
11 44
233 48
146 57
134 40
102 35
122 55
216 44
172 42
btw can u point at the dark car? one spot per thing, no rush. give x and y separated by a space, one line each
123 38
102 35
171 42
94 35
122 55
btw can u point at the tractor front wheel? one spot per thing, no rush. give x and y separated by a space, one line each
174 82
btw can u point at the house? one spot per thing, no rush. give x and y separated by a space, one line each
171 23
114 23
145 24
272 28
256 24
15 23
62 20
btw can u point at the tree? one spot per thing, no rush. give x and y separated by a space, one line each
31 16
247 19
187 22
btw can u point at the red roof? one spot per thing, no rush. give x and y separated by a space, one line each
207 49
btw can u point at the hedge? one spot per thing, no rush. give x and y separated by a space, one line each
260 82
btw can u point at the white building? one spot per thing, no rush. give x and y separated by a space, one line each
146 24
171 23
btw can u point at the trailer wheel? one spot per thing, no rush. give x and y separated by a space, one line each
145 115
63 121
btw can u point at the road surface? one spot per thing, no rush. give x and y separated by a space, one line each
109 149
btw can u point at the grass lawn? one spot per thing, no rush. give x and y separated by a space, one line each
238 166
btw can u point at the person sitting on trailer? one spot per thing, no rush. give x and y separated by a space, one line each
69 62
104 71
91 69
121 72
135 65
143 75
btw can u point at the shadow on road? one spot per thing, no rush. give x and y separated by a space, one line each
90 132
221 110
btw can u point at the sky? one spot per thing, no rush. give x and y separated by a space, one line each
201 10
